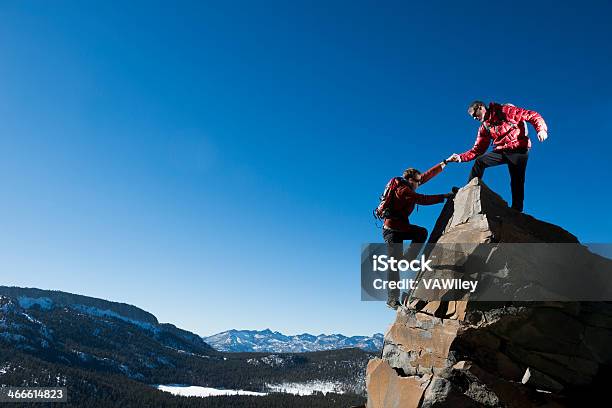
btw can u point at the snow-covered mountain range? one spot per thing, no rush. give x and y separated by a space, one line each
55 338
276 342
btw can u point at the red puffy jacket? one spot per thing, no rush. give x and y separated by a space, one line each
406 198
504 125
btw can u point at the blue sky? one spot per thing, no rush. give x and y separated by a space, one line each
217 163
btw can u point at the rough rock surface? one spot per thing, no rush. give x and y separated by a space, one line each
493 354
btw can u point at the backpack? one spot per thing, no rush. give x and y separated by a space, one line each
385 207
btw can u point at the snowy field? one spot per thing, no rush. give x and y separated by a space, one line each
308 388
196 391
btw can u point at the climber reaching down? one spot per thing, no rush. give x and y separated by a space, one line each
504 126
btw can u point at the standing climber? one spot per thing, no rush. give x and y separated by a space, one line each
504 125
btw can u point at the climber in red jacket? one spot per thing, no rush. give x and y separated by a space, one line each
504 126
397 227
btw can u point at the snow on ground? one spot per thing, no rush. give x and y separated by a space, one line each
307 388
31 319
27 302
94 311
196 391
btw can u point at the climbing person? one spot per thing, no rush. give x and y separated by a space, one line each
396 205
504 126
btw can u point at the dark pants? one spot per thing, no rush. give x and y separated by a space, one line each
394 240
517 165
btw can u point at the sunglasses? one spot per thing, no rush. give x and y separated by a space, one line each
475 111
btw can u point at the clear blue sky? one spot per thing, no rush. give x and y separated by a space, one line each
217 163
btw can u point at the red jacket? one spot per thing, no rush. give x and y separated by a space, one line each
406 198
504 125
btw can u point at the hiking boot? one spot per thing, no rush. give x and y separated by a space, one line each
393 304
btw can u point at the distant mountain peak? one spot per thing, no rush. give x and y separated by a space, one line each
276 342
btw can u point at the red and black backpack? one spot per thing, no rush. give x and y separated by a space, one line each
385 207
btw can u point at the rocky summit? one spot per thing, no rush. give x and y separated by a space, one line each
469 353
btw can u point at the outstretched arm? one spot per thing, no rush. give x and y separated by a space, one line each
405 193
431 173
483 139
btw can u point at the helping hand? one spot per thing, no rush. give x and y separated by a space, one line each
453 158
